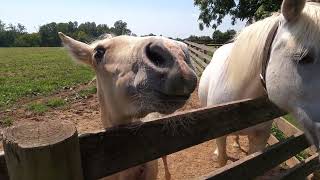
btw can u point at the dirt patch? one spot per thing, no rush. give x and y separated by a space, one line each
84 112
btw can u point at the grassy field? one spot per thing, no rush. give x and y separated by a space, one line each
27 72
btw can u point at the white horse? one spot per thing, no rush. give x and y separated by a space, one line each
135 77
283 51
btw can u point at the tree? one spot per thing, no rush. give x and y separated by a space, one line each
102 29
82 36
49 35
90 28
2 26
120 28
16 35
27 40
200 39
223 37
212 12
21 28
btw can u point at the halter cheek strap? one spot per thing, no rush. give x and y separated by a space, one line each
266 54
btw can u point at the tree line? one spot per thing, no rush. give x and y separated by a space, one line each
218 37
47 36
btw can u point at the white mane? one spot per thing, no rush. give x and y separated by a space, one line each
244 63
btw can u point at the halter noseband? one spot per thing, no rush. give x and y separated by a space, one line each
266 54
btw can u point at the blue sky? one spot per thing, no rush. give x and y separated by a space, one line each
174 18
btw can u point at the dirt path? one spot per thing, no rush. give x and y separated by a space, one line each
84 112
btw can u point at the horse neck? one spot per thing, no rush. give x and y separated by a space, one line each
111 113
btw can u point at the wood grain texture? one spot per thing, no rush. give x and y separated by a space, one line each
198 61
201 46
260 162
43 150
206 57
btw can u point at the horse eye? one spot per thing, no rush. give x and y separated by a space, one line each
307 59
99 52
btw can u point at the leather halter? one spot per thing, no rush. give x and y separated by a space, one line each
266 54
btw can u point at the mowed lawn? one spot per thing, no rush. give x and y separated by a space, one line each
27 72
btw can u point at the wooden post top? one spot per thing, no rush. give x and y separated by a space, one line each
39 134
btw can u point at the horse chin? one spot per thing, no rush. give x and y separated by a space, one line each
167 107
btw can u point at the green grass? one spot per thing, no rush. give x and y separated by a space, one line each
27 72
87 92
42 107
56 102
277 133
293 121
38 108
6 121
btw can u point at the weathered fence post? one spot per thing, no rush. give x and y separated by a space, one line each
43 150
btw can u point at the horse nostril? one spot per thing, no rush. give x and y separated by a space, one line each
156 54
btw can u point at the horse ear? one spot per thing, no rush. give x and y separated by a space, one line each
291 9
80 51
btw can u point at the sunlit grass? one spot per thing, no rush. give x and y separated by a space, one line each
27 72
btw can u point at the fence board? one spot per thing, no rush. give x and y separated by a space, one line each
119 148
302 170
287 128
290 162
200 54
260 162
198 72
198 61
200 69
104 153
201 46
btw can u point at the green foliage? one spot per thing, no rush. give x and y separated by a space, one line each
212 12
277 133
292 120
29 72
27 40
47 36
223 37
200 39
120 28
38 108
218 37
56 102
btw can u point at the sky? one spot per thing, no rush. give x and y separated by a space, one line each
171 18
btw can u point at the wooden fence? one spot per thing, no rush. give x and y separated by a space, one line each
106 152
201 55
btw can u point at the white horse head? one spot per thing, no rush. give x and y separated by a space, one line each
293 72
137 76
291 54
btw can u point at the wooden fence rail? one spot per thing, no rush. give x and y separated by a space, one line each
107 152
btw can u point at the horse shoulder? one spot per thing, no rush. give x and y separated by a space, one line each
212 72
